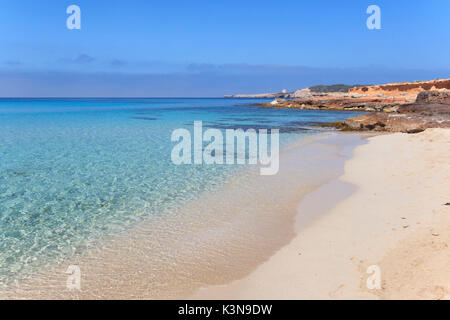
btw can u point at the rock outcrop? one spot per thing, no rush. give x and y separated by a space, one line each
402 87
394 107
434 97
339 102
301 93
408 90
430 110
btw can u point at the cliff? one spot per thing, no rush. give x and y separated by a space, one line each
409 90
431 109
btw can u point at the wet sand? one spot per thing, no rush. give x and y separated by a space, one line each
397 219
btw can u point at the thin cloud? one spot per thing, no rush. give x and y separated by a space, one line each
83 58
13 63
245 68
201 67
118 63
104 84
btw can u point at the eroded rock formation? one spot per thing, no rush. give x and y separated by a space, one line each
395 107
405 88
430 110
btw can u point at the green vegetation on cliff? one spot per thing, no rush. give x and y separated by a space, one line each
333 88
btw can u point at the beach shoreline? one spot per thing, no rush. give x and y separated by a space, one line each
220 237
316 243
396 220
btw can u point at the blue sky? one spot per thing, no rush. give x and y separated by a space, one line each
211 48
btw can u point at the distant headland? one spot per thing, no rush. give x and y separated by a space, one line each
394 107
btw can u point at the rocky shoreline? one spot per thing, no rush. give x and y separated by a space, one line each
430 110
398 107
338 102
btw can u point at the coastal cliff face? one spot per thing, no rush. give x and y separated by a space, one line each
430 110
410 89
394 107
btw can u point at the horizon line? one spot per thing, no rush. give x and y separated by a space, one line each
215 97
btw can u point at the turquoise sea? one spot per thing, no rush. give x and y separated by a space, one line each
74 171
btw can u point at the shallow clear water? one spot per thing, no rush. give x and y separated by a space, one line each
73 171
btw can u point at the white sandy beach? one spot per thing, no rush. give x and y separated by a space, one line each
385 207
397 219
